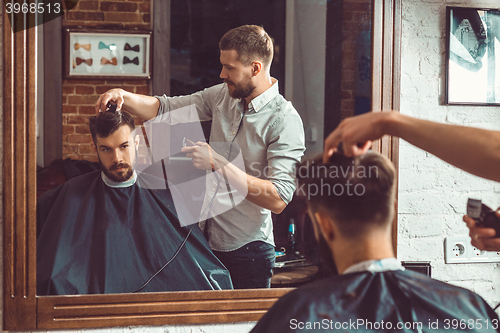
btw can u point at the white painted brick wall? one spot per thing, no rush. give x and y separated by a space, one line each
432 194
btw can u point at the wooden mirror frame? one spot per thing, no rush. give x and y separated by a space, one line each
23 310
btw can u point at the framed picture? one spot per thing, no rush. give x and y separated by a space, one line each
107 54
473 56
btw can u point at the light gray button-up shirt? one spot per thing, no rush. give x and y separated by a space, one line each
270 136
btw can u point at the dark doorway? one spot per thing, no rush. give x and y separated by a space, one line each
198 25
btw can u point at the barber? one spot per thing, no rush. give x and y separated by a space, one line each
249 114
474 150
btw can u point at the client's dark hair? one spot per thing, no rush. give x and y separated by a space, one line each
106 123
356 192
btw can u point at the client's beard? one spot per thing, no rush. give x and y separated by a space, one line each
242 90
118 178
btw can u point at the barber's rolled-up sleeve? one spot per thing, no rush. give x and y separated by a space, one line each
285 150
204 101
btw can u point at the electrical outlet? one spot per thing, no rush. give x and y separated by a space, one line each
458 250
479 255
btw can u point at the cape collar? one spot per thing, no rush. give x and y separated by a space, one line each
382 265
113 184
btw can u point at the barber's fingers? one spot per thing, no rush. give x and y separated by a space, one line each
189 149
355 149
469 221
475 231
491 244
480 237
103 100
349 145
119 102
486 244
482 232
361 149
331 144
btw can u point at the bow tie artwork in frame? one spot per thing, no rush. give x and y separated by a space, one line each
86 47
135 61
78 61
111 47
103 54
131 48
105 61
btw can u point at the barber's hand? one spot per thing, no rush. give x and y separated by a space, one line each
356 134
114 95
482 238
202 156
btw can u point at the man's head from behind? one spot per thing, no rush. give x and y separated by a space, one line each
115 150
351 201
246 52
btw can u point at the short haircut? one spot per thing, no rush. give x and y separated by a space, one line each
251 42
358 193
106 123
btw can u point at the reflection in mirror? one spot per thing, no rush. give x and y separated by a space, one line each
96 238
473 65
119 230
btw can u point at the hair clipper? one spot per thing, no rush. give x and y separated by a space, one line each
484 216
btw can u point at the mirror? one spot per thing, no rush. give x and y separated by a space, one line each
54 312
301 50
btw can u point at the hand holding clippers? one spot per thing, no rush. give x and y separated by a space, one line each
484 216
111 107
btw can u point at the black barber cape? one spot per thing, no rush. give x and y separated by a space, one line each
96 239
377 302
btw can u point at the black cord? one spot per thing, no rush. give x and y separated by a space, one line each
496 307
168 262
187 236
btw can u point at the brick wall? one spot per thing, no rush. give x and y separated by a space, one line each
356 20
432 194
80 95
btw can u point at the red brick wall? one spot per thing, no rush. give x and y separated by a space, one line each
80 95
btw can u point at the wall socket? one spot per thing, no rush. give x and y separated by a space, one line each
458 250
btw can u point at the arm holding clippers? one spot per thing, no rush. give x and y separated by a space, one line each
484 239
474 150
142 106
471 149
259 191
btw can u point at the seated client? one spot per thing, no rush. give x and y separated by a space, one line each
352 202
109 232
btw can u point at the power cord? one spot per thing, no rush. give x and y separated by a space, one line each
187 236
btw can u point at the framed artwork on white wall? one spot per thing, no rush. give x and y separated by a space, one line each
473 56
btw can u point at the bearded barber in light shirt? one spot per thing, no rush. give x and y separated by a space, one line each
249 116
